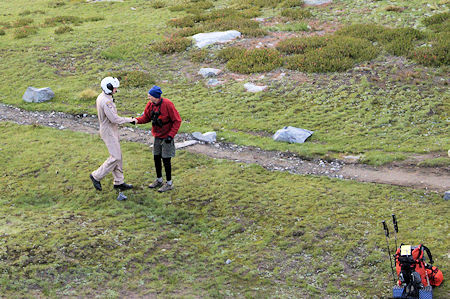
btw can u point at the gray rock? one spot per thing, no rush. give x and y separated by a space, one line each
205 39
208 72
213 82
38 95
317 2
447 195
208 137
185 143
292 135
250 87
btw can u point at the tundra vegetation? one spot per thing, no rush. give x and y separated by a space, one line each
368 77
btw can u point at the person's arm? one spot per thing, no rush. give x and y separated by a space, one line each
145 117
111 113
176 120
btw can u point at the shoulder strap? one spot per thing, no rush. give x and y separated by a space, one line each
428 253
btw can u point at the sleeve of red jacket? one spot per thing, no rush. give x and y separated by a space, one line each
145 118
176 120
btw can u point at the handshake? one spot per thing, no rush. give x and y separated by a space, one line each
168 139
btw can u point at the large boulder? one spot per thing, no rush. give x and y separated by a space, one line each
205 39
292 135
208 137
38 95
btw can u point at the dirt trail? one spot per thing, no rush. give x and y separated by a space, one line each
401 174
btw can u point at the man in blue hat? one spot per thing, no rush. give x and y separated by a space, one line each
165 124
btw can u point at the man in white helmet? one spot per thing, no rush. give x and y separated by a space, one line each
109 132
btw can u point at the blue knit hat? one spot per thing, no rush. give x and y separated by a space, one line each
155 91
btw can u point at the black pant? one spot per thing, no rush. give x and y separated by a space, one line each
167 167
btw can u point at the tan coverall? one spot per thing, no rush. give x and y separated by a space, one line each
109 132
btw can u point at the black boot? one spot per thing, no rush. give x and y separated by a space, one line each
96 183
123 186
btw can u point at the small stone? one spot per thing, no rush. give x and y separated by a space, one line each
447 195
317 2
208 72
213 82
250 87
228 261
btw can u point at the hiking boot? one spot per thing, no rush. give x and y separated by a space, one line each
96 183
123 186
165 187
155 184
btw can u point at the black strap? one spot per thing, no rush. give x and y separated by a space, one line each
159 111
428 253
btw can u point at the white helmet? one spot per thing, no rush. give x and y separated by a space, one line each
109 83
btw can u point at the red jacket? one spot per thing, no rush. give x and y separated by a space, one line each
169 116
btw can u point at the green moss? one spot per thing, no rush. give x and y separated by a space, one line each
63 29
172 45
436 162
296 13
327 54
134 78
292 3
254 61
380 158
54 21
23 32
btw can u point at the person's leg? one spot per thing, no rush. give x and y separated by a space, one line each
118 172
168 169
158 164
168 152
111 163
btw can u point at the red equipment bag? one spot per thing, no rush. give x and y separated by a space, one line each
434 275
417 262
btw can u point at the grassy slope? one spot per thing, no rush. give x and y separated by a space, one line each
348 116
286 235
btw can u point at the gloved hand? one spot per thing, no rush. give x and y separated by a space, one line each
134 121
168 139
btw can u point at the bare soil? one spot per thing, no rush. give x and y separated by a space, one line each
405 173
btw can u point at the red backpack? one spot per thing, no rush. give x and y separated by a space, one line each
410 259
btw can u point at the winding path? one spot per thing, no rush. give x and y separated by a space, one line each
406 174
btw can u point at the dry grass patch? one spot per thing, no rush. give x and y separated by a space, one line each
88 94
63 29
394 8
